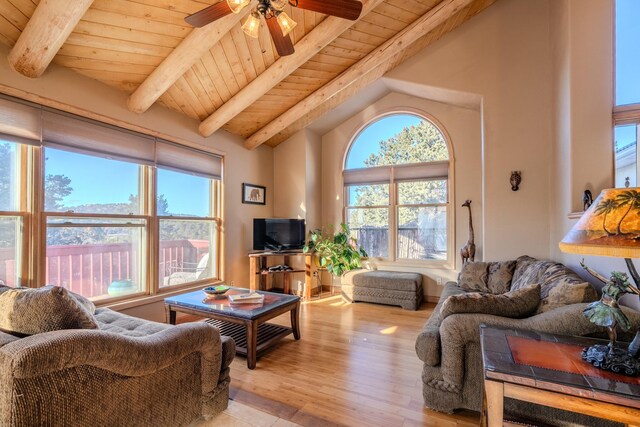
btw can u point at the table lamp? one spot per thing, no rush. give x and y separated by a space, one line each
610 227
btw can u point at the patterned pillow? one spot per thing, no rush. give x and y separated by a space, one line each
474 277
561 286
500 275
489 277
528 270
29 311
515 304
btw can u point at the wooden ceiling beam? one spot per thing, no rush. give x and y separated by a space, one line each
180 60
323 34
383 54
46 31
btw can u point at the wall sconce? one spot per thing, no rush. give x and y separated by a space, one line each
515 180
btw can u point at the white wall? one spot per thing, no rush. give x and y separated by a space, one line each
256 167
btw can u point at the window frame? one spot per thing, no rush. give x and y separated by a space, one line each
24 236
32 262
623 114
449 262
215 205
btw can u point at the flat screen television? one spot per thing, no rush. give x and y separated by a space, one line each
276 234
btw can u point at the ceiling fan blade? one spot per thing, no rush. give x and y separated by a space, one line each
284 45
347 9
209 14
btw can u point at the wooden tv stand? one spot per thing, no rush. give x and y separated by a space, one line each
259 264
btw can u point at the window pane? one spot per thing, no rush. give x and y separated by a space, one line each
183 194
368 195
187 251
370 226
422 192
95 258
88 184
627 54
9 182
626 155
422 233
397 139
10 250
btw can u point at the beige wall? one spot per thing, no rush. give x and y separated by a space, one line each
255 167
503 57
582 31
463 126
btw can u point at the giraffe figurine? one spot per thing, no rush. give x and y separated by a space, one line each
468 251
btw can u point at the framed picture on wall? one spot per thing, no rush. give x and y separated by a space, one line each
254 194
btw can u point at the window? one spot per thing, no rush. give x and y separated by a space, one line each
627 94
11 213
397 189
103 211
188 227
96 231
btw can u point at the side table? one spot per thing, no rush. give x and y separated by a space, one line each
547 370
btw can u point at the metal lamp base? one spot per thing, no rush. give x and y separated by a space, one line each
617 360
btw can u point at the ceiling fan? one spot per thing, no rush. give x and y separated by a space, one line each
278 22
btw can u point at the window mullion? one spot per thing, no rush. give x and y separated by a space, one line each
153 236
393 216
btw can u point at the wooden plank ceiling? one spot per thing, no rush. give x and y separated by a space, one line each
120 42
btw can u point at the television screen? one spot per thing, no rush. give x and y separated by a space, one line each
277 234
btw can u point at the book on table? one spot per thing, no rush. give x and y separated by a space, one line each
250 298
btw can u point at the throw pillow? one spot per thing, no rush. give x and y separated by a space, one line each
561 286
528 270
515 304
500 275
29 311
474 277
489 277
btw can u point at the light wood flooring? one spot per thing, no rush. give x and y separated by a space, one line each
354 366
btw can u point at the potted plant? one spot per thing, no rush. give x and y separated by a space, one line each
338 252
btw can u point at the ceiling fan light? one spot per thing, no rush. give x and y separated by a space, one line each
278 4
251 26
237 5
286 23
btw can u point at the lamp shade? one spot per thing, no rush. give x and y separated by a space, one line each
610 227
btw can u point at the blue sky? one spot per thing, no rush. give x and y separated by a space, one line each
627 63
100 180
367 141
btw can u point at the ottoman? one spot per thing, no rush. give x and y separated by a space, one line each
383 287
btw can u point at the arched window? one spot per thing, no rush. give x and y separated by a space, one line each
397 188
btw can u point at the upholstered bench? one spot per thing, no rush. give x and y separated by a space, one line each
383 287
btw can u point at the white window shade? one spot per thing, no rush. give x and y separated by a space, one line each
407 172
20 122
189 160
86 136
429 170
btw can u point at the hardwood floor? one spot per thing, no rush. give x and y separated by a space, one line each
355 365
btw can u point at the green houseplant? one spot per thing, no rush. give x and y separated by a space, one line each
338 252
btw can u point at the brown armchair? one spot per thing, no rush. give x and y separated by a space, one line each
128 372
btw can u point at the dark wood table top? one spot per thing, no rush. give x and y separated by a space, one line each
551 362
198 300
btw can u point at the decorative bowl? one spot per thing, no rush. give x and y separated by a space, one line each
216 290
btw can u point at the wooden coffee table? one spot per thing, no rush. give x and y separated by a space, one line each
547 370
245 323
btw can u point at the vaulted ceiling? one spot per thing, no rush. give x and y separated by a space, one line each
217 74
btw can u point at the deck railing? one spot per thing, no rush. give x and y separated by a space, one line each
89 269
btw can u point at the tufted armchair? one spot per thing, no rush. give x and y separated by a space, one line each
128 372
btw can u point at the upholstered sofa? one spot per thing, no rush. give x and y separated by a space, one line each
450 347
124 371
